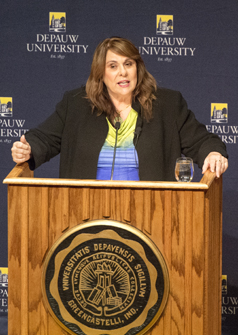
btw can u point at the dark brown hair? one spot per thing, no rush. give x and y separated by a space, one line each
96 89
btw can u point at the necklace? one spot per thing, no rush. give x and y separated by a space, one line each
118 118
119 112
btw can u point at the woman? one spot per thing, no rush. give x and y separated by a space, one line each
155 125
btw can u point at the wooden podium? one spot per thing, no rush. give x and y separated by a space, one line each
183 219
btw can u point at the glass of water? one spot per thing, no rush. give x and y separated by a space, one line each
184 169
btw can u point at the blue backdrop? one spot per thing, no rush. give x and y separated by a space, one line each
46 48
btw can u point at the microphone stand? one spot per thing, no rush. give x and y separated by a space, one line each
117 126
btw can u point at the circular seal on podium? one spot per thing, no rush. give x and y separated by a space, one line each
105 277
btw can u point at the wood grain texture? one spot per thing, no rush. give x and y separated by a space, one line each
106 203
167 252
147 211
178 261
184 223
188 215
15 218
126 205
23 172
24 260
34 258
198 263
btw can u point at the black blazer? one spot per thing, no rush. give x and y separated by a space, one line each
78 135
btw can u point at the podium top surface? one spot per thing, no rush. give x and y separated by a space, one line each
21 175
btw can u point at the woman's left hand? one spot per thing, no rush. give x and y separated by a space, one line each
216 162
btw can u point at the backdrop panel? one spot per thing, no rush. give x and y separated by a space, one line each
197 56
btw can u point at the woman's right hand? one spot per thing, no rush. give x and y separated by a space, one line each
21 150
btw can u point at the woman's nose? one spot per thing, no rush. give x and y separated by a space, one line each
123 71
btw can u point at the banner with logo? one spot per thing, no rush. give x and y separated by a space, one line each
188 46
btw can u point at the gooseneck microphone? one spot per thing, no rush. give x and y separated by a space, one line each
117 126
137 133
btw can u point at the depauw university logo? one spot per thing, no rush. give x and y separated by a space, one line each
3 291
98 278
164 24
224 284
219 113
57 22
6 107
3 277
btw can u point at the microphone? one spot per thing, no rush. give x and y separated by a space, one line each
137 133
117 126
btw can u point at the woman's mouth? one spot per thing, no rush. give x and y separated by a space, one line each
124 83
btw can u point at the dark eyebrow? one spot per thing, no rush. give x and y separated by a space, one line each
111 61
129 59
126 60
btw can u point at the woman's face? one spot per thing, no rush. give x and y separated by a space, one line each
120 76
